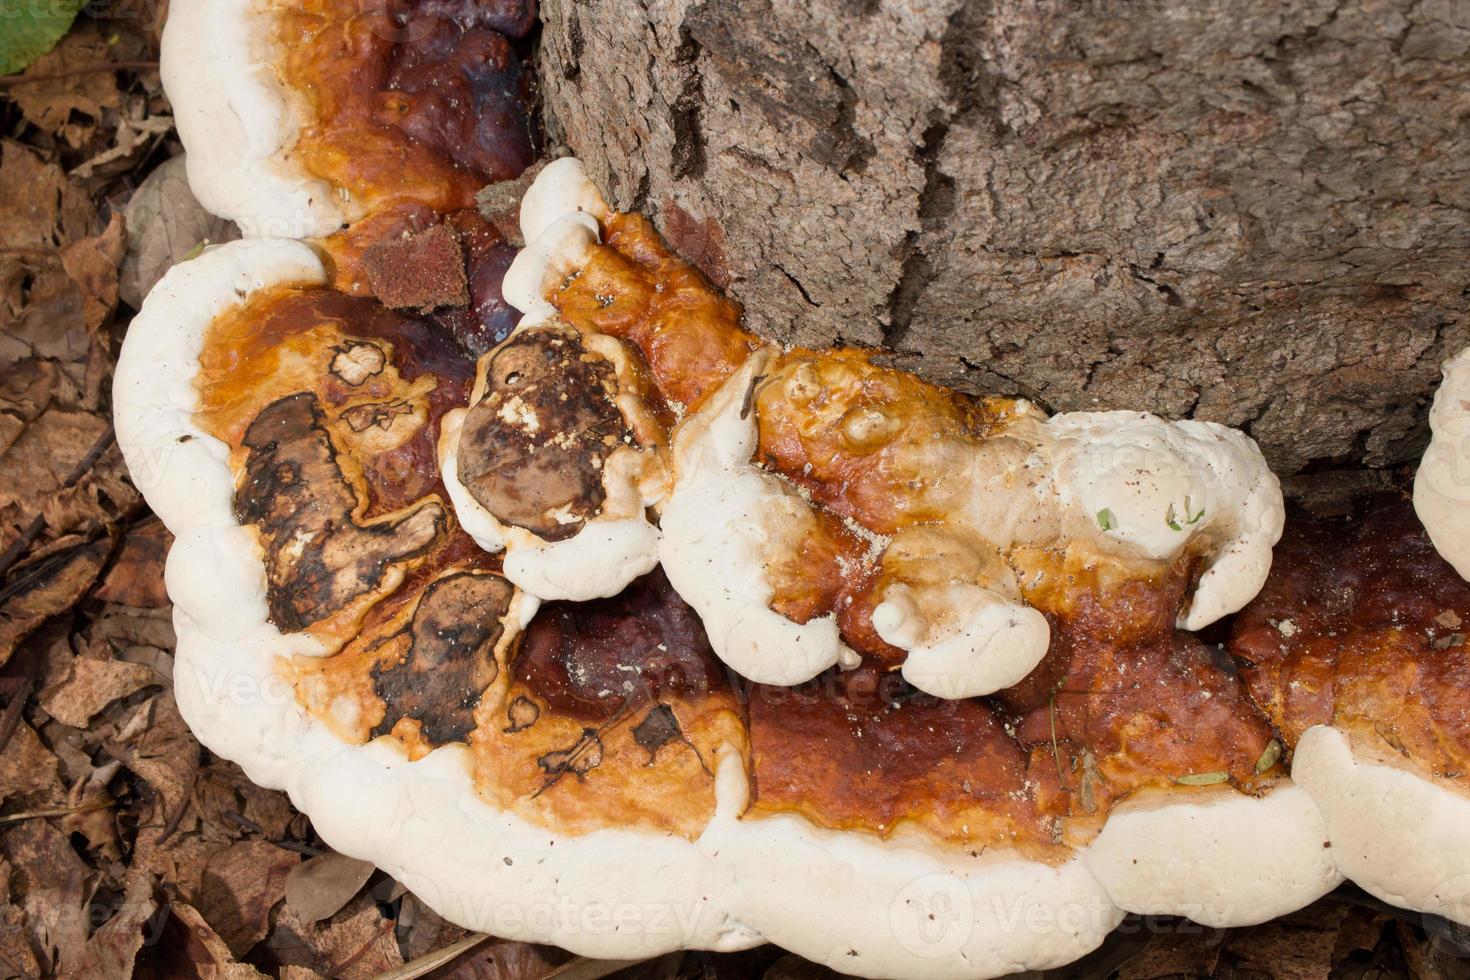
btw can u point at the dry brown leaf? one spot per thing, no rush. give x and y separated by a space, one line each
192 948
318 888
26 389
136 575
30 773
166 223
61 90
17 959
97 825
355 944
233 807
54 888
241 884
128 626
38 591
38 463
43 209
1190 950
1300 946
111 950
91 685
161 752
93 264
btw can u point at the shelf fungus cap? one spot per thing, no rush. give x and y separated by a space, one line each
1442 483
725 520
240 123
1153 488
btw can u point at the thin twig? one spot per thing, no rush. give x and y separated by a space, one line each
10 719
337 969
47 76
60 811
432 961
178 817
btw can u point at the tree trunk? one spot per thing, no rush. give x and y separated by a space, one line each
1239 210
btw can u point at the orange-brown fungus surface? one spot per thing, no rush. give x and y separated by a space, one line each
605 713
1362 625
633 288
421 102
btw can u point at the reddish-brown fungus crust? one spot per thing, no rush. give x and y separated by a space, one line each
410 102
458 88
533 447
593 660
447 657
1363 625
318 559
862 750
1150 703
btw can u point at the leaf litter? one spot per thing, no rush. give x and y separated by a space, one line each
126 848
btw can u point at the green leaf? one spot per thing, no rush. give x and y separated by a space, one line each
1202 778
30 28
1105 520
1268 757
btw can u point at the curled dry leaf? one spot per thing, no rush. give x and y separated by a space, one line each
111 950
355 944
61 89
163 753
40 589
240 886
318 888
54 888
166 223
192 948
93 265
30 773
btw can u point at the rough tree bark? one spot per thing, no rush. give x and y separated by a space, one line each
1240 210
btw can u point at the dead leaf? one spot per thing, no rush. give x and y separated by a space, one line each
113 947
165 224
17 959
30 773
318 888
43 209
54 888
240 886
136 575
61 90
162 752
91 685
93 264
355 944
192 948
38 464
1300 946
41 589
97 824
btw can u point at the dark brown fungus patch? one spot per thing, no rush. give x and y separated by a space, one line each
317 558
532 450
450 657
